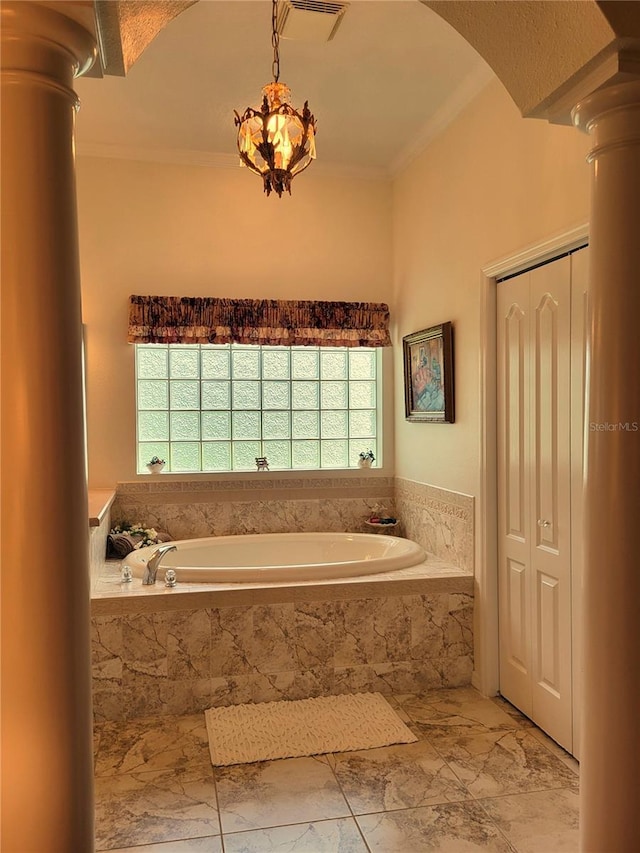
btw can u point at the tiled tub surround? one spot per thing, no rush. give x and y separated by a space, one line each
175 651
442 522
188 509
439 520
159 651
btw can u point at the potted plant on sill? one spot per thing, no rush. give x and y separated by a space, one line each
155 465
366 459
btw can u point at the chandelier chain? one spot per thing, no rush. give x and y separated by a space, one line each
275 41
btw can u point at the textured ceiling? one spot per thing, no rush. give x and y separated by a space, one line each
543 51
392 76
127 27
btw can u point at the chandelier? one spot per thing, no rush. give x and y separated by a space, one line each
276 141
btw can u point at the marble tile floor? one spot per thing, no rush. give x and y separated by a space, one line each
480 777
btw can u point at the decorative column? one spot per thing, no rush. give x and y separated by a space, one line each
610 800
47 791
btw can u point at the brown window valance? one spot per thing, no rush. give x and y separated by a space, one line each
208 320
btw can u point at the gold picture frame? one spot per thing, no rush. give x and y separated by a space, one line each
428 375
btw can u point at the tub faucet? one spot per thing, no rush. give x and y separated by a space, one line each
151 569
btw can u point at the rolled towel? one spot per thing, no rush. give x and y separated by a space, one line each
121 544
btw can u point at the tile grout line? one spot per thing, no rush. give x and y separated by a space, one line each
346 799
524 793
472 796
215 788
362 835
302 823
478 799
497 827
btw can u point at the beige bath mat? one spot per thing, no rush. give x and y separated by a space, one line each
239 734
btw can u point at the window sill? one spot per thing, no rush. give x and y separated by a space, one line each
337 483
280 474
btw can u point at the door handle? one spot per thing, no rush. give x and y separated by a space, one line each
542 522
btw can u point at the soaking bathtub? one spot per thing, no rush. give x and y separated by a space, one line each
266 557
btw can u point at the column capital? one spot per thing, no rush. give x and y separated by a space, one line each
53 40
611 115
604 100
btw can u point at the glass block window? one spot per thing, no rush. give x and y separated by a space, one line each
218 407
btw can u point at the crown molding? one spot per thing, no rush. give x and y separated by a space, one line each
157 155
213 160
468 89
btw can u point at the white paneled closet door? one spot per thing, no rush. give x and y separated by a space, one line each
514 500
534 495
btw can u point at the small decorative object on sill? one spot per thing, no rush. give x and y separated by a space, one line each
366 459
155 465
262 463
380 517
382 524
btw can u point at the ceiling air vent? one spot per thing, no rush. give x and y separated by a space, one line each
309 20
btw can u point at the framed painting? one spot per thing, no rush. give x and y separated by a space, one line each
428 375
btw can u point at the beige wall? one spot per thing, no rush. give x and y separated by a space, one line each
490 185
157 228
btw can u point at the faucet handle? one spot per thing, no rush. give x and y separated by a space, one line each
170 578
